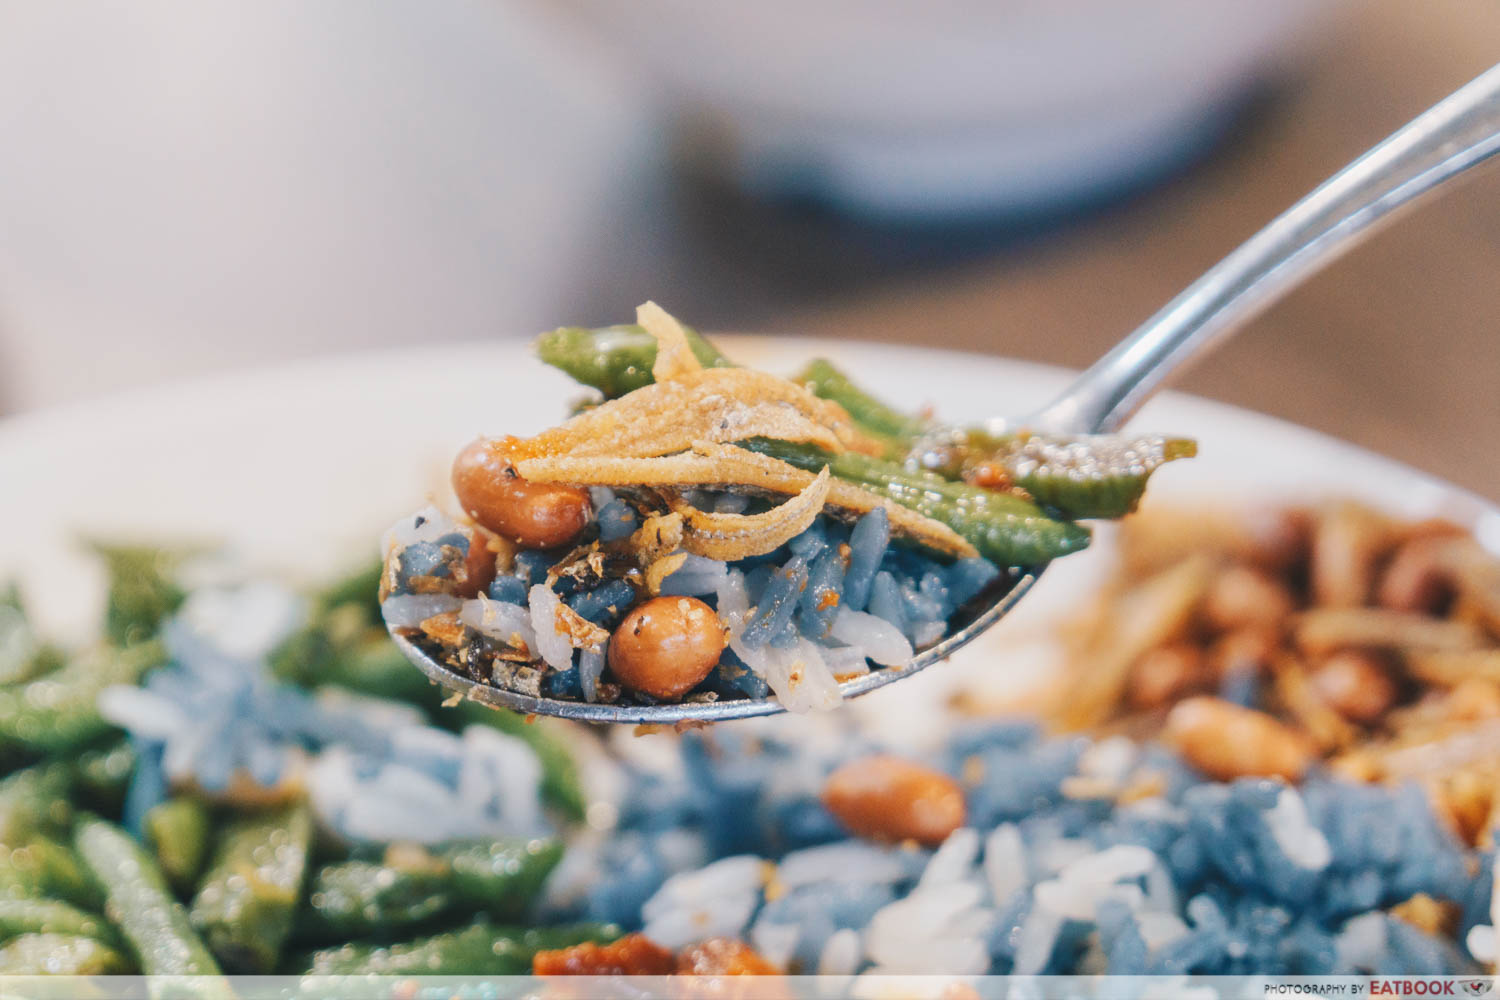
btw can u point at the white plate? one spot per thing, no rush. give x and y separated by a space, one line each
298 469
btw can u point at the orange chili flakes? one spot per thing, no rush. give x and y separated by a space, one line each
631 955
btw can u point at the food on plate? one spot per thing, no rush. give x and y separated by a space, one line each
225 785
268 792
702 531
1334 636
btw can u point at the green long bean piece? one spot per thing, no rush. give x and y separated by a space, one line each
60 955
57 713
35 799
142 591
412 886
356 899
615 359
137 901
42 867
245 907
177 830
1006 529
102 774
482 949
51 916
872 415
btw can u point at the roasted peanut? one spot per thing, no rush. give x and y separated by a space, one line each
1226 741
723 957
1241 596
1419 577
1354 684
536 515
666 646
1164 674
631 955
890 799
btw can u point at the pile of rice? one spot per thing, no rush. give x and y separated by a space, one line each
374 770
821 609
1060 867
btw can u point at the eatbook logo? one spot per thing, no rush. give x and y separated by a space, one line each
1476 987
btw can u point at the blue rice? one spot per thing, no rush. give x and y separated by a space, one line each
795 639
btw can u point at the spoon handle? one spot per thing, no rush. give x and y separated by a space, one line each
1461 131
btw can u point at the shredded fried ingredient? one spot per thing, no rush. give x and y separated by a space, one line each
725 466
659 569
583 633
739 536
674 358
714 404
659 536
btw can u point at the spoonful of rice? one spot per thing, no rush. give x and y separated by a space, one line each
702 541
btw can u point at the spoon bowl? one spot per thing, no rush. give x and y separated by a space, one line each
1460 132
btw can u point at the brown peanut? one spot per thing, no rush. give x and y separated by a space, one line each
536 515
1226 741
666 646
890 799
1355 684
1241 596
1419 577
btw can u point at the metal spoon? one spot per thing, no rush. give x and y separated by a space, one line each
1458 133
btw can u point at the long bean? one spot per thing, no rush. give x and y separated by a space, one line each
142 592
60 955
411 887
177 830
35 799
872 415
57 713
101 775
482 949
1006 529
354 899
42 867
154 925
615 359
51 916
245 907
1085 476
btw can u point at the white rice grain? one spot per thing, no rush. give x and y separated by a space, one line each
144 713
844 861
953 861
590 669
1361 944
880 640
775 942
841 953
426 525
1005 862
800 678
411 610
726 877
1303 844
1038 938
553 644
509 623
697 576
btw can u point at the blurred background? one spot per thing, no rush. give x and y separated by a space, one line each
191 187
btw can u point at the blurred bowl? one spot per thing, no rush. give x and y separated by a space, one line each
958 106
